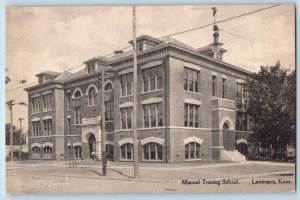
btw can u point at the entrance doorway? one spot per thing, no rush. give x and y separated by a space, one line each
228 137
242 148
92 145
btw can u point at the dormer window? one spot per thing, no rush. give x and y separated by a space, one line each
42 79
91 67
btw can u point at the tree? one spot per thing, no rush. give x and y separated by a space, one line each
16 135
272 104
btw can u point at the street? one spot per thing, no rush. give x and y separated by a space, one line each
62 177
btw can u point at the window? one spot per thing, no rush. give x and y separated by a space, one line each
47 152
241 121
127 151
35 153
126 118
241 94
191 115
47 101
69 126
36 105
36 128
152 151
69 101
109 110
78 94
223 88
153 115
191 80
214 85
91 96
91 67
77 115
108 87
192 150
126 84
152 78
77 150
47 127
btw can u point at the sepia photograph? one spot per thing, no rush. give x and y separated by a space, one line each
150 99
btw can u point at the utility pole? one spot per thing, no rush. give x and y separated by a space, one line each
21 137
10 105
103 135
135 146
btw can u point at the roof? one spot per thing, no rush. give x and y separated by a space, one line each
67 76
146 37
48 73
177 42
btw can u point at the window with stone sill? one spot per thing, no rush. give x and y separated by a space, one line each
127 151
191 115
152 151
36 128
126 118
36 106
36 153
47 127
152 79
192 151
47 102
77 151
47 152
126 84
153 115
191 80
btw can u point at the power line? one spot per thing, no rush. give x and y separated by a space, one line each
253 39
177 33
221 21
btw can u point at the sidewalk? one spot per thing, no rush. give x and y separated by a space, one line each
152 172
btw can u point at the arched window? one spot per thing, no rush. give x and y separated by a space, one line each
77 151
108 87
77 94
152 151
127 151
47 152
192 150
35 153
91 96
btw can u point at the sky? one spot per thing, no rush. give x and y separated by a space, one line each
61 38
